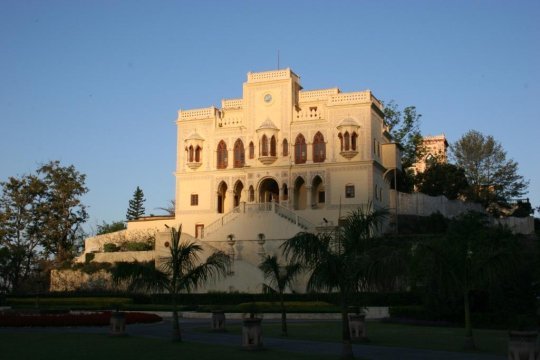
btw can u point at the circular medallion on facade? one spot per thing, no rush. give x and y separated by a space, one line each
267 98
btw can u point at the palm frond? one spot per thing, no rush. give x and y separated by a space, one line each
137 276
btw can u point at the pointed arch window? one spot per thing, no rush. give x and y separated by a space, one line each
340 142
300 150
264 146
285 147
198 154
354 136
222 155
273 146
251 150
319 148
239 154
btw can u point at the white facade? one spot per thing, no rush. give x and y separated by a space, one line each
262 168
311 152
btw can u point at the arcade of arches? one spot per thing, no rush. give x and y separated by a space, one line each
305 195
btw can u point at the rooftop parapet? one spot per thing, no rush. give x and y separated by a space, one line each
254 77
317 95
232 103
195 114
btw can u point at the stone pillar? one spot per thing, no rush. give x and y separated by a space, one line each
309 154
251 334
229 200
218 320
309 196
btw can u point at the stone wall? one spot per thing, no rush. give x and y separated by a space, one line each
74 280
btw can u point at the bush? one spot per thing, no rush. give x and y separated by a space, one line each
137 246
71 319
110 247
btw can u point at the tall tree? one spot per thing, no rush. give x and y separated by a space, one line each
136 208
19 223
404 126
442 179
181 271
280 276
471 256
62 211
350 259
493 179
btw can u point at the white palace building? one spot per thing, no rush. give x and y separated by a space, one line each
263 167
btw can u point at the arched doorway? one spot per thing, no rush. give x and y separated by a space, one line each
268 190
221 193
300 194
317 192
238 187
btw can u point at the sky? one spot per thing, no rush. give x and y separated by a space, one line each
98 84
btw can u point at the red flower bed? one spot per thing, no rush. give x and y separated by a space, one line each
72 319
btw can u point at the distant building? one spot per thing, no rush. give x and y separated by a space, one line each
435 149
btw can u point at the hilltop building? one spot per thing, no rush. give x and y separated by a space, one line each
265 166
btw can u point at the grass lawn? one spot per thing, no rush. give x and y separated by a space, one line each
421 337
92 347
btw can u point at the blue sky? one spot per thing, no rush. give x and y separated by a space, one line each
98 83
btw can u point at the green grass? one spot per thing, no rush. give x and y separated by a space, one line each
92 347
384 334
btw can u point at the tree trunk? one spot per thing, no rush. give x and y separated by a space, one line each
469 340
283 316
347 352
176 334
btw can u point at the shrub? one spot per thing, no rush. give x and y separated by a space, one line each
110 247
71 319
137 246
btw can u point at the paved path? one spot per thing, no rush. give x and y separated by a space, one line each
163 330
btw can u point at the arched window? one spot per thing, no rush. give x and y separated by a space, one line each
251 150
353 141
319 148
222 155
239 155
300 150
340 142
285 147
190 151
198 154
264 146
273 146
346 140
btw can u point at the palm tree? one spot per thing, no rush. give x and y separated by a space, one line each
181 271
469 257
280 277
346 260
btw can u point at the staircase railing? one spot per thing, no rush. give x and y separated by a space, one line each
282 211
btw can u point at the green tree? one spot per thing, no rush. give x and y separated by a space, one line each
280 276
106 228
181 271
442 179
404 126
493 179
349 259
62 211
136 208
20 203
471 256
